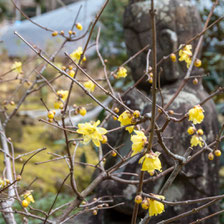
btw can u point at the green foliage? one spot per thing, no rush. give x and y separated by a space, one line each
4 9
213 54
112 35
42 202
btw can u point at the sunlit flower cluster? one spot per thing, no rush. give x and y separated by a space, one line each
151 162
17 65
76 55
62 96
185 55
138 142
127 118
196 115
90 131
28 197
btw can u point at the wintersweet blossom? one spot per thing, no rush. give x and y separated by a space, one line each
90 131
151 162
28 197
4 182
89 86
138 142
76 55
196 140
122 72
62 94
156 207
17 65
196 114
58 104
185 55
127 118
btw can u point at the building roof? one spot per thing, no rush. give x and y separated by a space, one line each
59 19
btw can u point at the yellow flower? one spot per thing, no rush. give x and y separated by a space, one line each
156 207
196 114
139 140
122 72
196 140
185 55
3 183
62 94
76 55
151 162
28 197
89 86
90 131
17 66
127 118
71 73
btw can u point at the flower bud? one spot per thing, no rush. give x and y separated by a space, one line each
104 141
116 110
197 63
113 153
173 57
55 33
136 114
82 111
138 199
79 26
217 152
200 132
12 102
50 114
195 81
25 203
19 177
145 204
210 156
70 67
115 118
191 130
